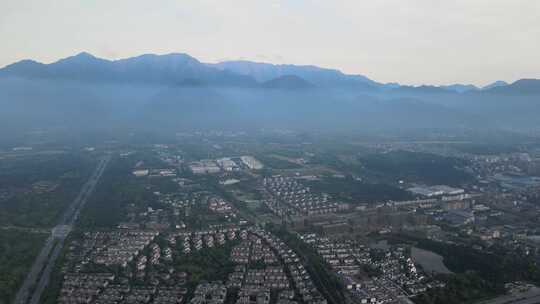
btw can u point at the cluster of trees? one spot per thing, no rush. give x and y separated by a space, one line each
208 264
29 208
468 287
116 190
350 190
479 274
417 166
18 250
497 265
23 171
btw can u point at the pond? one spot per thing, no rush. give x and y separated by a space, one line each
430 261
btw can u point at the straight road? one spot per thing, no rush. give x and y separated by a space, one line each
39 275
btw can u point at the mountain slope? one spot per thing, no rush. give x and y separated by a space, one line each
423 89
320 77
168 69
460 88
288 82
498 83
176 91
520 87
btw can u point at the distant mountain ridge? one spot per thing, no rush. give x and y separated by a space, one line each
170 69
180 69
321 77
184 70
176 92
498 83
520 87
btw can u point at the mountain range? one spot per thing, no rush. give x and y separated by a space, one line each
177 91
172 69
182 69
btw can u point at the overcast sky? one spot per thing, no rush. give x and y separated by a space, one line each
406 41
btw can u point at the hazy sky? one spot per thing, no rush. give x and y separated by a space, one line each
408 41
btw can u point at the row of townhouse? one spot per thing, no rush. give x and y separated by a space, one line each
253 250
83 287
121 248
290 197
301 279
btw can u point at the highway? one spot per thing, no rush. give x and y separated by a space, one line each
39 275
